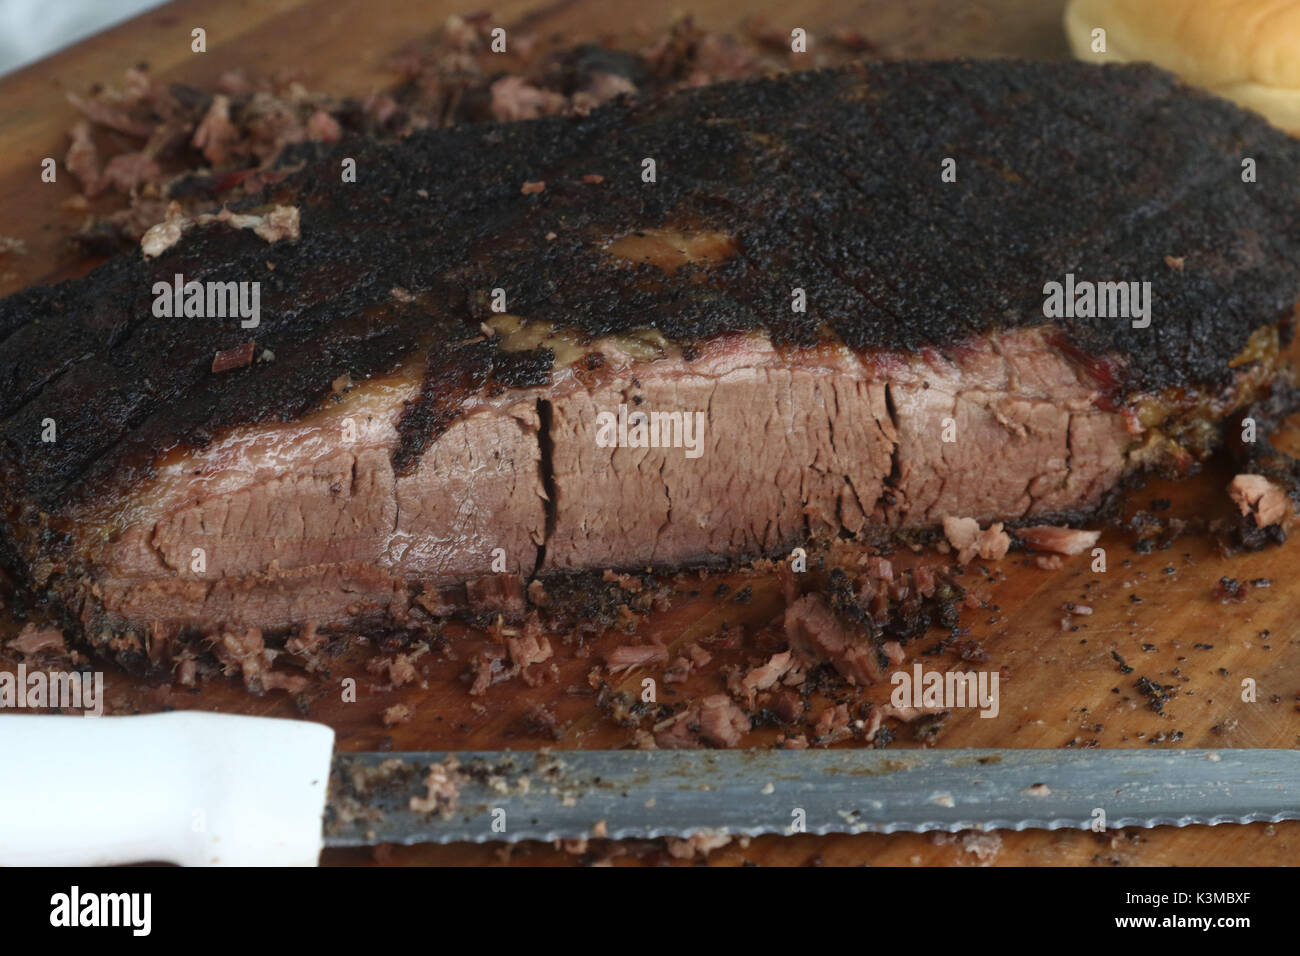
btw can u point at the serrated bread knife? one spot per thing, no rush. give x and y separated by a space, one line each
199 788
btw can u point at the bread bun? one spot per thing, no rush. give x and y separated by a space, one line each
1247 51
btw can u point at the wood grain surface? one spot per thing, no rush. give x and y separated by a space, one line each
1157 613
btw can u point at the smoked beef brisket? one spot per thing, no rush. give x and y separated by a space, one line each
391 438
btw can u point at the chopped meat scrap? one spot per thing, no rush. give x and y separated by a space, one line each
529 648
114 113
129 171
397 714
992 543
33 639
1261 498
246 654
715 720
879 568
627 582
631 656
227 360
832 724
487 667
907 714
281 222
678 671
722 723
308 644
324 128
968 540
514 98
764 676
216 135
813 628
399 669
698 655
1057 539
961 534
82 159
161 236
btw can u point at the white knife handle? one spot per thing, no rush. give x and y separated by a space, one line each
184 787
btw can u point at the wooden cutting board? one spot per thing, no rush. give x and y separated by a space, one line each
1156 615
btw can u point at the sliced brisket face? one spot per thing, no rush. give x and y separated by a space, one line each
408 441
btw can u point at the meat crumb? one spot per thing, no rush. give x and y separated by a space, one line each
397 714
1261 498
230 359
533 188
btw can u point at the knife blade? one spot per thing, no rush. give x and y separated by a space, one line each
546 795
217 789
